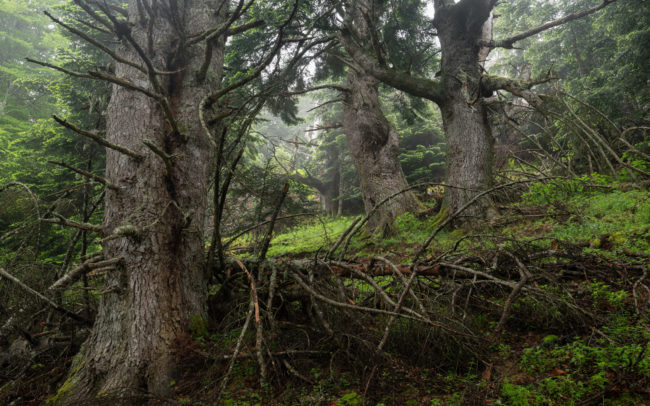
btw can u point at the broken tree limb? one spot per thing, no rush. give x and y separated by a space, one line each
86 267
74 224
518 87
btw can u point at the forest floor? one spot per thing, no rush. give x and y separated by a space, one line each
547 304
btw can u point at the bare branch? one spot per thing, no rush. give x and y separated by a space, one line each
326 103
315 88
98 138
167 159
95 16
74 224
86 267
329 127
32 292
60 69
509 42
87 174
125 83
94 42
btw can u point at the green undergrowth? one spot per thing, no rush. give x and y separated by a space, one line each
600 218
546 355
603 220
608 366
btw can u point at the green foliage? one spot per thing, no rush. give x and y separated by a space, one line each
579 370
350 399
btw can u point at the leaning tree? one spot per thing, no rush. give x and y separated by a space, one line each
461 89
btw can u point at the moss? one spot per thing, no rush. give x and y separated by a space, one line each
67 386
442 215
198 326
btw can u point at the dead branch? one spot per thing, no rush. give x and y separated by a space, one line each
267 239
87 174
60 69
458 212
97 137
258 324
36 294
524 275
166 158
125 83
340 99
224 380
315 88
342 237
74 224
397 309
630 146
509 42
94 42
82 269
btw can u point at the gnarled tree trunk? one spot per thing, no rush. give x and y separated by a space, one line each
373 142
374 146
159 291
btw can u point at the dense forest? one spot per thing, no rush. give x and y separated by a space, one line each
325 202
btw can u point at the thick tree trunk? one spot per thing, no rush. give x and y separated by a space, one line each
374 146
373 142
469 139
159 292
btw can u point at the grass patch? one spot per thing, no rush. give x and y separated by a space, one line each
309 237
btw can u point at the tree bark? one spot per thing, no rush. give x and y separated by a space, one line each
160 291
373 142
374 147
469 139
